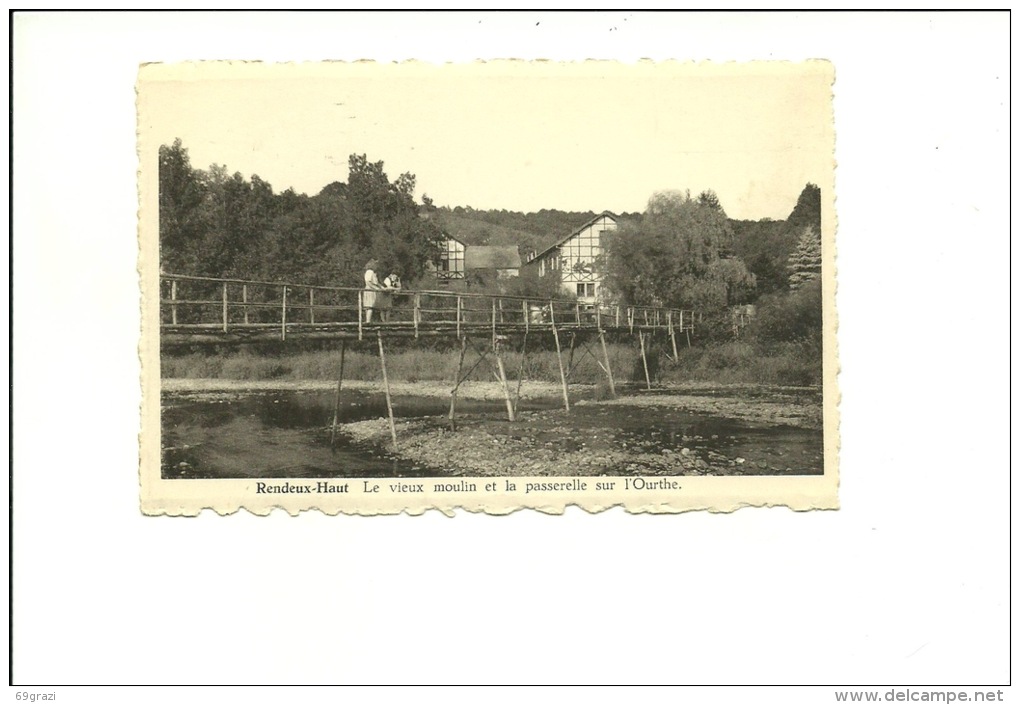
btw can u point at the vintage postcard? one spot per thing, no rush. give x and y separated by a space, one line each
380 288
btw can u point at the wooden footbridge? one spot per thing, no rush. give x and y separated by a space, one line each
211 311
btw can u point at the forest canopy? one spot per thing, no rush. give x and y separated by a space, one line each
221 225
682 251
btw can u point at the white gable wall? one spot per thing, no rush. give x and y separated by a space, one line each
451 260
576 257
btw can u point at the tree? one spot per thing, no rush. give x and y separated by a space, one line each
808 210
805 263
709 199
181 195
765 245
237 215
676 256
217 224
384 221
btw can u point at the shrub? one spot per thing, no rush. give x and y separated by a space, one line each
796 315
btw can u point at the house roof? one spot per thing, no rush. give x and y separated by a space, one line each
492 257
603 214
448 236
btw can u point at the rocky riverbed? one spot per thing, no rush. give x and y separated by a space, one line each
773 432
683 430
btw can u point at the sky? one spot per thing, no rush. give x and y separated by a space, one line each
509 135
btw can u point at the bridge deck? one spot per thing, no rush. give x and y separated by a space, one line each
196 310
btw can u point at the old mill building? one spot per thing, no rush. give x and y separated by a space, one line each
575 257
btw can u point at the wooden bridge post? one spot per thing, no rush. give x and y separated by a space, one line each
458 315
672 334
311 306
283 317
173 297
609 370
494 328
527 316
417 314
339 386
644 359
244 300
386 388
570 358
457 381
361 314
559 358
520 371
226 326
502 380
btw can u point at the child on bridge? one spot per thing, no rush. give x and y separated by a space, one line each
391 285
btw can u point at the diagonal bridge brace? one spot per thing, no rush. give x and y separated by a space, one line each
498 371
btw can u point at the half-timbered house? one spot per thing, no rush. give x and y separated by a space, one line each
451 259
576 258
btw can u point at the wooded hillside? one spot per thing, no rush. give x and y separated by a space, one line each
216 224
765 245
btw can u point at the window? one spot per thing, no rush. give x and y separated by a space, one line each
586 290
451 260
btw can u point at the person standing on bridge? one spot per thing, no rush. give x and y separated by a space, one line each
373 289
391 285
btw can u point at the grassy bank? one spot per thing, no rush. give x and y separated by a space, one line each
402 366
724 363
791 363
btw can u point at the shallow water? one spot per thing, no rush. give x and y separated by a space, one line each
287 434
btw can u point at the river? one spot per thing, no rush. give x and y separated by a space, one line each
286 434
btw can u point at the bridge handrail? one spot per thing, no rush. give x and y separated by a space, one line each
471 311
405 292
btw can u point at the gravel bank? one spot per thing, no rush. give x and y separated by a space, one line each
468 390
764 406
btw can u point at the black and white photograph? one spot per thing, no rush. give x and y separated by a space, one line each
509 269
